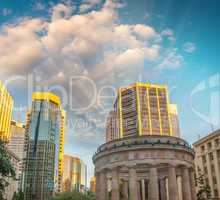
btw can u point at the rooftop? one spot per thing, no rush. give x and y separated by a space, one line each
207 138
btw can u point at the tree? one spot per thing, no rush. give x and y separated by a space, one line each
18 195
74 196
204 191
6 170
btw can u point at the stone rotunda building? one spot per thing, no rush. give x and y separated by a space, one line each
144 158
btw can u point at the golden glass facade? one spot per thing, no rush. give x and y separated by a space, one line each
6 107
93 184
74 174
142 109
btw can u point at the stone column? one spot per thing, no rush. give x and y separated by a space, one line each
143 189
103 185
125 190
115 185
172 184
193 184
153 184
163 195
133 188
97 189
217 171
180 187
209 174
186 185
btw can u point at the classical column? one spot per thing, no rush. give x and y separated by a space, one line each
133 188
172 184
103 185
180 187
125 190
143 196
186 185
217 171
153 184
193 184
115 185
163 195
97 189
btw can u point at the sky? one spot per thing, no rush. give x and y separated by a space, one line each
84 50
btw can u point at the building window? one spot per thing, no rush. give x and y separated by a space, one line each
209 145
217 141
205 170
203 159
215 193
218 154
211 156
214 180
202 148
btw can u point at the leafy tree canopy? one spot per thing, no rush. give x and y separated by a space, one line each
204 192
6 169
74 196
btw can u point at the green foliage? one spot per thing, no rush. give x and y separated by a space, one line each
18 196
74 196
204 192
6 169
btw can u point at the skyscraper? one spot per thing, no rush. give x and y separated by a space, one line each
92 184
142 109
44 149
74 174
6 106
17 142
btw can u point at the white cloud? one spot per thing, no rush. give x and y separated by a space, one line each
6 11
61 11
144 31
39 6
189 47
171 60
87 5
169 34
75 44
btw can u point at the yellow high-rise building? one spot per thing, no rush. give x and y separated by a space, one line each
142 109
62 130
6 107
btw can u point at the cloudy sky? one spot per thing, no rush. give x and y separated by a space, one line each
83 50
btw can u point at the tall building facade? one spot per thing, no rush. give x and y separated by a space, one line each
17 143
143 157
44 147
93 184
14 184
142 109
74 174
207 161
6 107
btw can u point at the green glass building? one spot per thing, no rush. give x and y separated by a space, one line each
44 147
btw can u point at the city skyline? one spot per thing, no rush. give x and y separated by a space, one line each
162 43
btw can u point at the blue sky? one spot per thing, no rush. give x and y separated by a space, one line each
110 44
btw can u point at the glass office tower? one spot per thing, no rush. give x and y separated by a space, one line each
44 149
